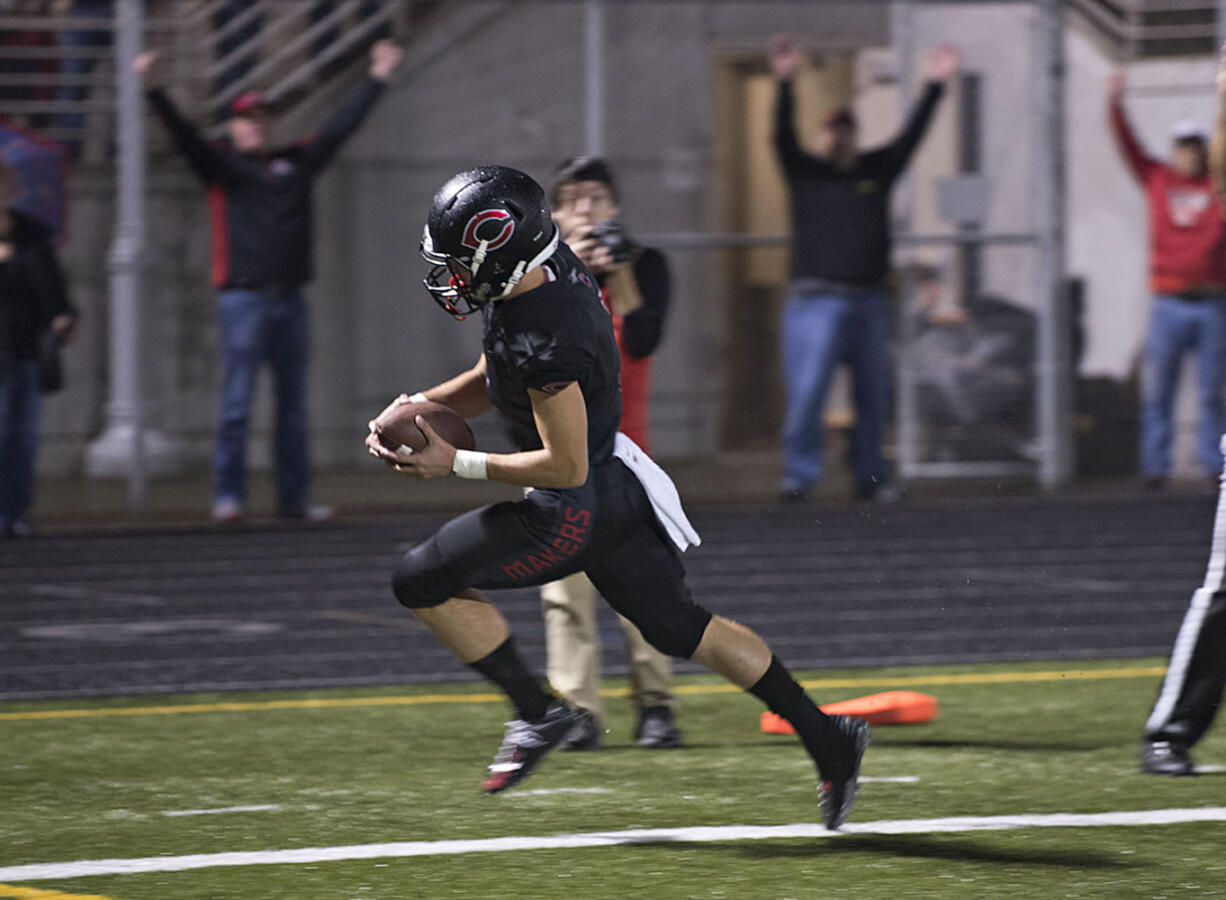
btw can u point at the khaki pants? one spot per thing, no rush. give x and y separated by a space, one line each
573 650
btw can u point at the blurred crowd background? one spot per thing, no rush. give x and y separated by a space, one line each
1020 293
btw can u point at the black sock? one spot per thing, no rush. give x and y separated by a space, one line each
505 668
785 697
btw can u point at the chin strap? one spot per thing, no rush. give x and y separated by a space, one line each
527 266
478 258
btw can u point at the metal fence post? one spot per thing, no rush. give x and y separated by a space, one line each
125 446
1054 368
594 80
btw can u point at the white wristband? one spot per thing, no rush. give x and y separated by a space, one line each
470 464
419 397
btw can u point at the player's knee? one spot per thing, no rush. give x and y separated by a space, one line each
679 638
411 585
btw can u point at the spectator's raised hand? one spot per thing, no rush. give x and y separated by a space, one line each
385 56
145 65
785 58
942 63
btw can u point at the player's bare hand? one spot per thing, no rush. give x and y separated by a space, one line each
145 65
785 58
435 460
942 63
399 401
1115 85
375 448
1221 72
385 57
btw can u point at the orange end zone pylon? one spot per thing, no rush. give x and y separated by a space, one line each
887 708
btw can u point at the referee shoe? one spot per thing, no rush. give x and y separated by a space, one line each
525 744
837 791
1165 758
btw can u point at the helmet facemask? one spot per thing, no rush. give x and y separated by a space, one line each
461 294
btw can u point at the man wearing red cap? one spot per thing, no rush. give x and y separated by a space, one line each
838 308
1187 277
260 197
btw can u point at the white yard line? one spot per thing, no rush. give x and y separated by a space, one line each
888 779
90 867
546 792
266 807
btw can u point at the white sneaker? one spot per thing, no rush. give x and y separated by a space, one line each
313 512
227 510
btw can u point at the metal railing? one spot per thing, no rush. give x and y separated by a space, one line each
1148 28
57 73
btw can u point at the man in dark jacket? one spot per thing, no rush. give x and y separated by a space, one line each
260 197
34 306
838 309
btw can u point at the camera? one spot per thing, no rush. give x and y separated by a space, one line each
611 235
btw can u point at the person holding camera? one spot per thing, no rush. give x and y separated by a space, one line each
36 317
634 283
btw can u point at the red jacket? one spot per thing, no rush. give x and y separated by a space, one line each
636 378
1187 220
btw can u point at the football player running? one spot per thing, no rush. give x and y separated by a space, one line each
596 502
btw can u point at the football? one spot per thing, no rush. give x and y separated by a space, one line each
398 427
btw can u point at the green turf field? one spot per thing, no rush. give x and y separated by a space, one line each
96 780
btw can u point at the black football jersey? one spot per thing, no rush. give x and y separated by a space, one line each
546 339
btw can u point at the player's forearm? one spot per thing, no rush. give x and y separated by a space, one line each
537 468
465 394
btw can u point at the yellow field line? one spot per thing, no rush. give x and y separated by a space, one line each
25 893
813 684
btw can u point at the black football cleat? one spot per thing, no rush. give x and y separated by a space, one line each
584 735
1165 758
525 744
837 792
657 730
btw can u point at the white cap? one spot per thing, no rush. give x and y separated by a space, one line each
1188 130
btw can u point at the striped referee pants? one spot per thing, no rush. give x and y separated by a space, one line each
1196 676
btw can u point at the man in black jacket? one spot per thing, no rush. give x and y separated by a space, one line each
260 197
838 309
34 306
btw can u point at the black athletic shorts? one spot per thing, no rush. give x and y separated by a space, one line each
605 528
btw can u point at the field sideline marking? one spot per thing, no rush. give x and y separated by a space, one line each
221 810
812 684
87 868
25 893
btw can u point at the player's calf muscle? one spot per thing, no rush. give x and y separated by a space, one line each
733 651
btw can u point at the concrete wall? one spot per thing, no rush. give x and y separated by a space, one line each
487 82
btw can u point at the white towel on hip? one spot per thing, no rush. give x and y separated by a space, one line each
660 491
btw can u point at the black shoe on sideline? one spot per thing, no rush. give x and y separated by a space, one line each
657 730
1165 758
839 779
525 744
584 735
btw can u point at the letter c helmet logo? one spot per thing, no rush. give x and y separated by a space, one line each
486 224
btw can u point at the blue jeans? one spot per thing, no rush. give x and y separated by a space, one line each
819 332
1178 327
259 327
21 402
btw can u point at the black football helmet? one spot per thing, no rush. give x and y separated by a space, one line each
495 224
